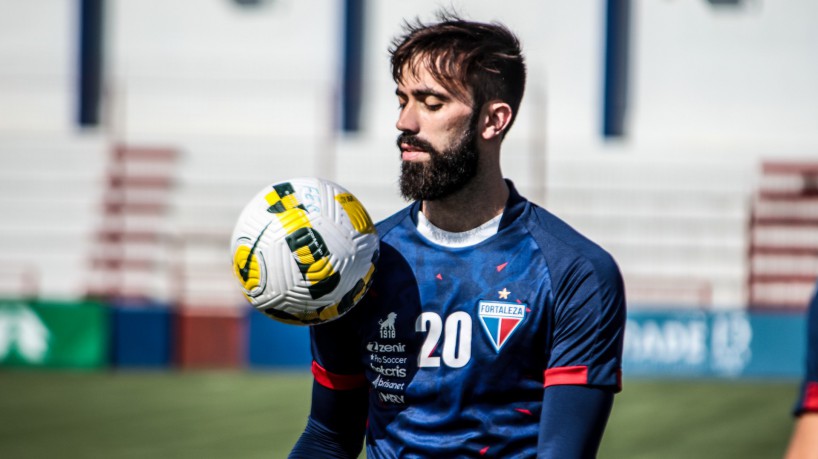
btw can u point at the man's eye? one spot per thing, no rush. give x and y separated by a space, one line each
434 107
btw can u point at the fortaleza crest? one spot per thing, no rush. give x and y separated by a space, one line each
500 319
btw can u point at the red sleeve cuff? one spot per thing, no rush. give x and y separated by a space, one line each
811 397
557 376
337 381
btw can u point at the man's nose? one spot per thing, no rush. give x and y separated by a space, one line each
407 120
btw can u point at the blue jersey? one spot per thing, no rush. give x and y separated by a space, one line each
458 345
808 396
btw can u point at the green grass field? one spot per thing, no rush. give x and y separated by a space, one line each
260 414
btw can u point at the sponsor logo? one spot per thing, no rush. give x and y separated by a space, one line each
389 371
388 360
391 398
380 383
388 325
244 271
721 343
680 342
731 338
374 346
22 333
500 320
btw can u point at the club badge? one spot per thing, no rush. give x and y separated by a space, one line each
500 319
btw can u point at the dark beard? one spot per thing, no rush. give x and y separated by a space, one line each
445 172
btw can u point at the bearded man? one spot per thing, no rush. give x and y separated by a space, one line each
492 328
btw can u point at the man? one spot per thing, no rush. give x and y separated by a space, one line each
804 441
492 328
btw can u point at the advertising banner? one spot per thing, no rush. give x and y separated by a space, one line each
53 334
142 335
274 344
714 344
210 338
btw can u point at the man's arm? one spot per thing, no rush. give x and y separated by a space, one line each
584 367
804 441
573 420
340 393
336 426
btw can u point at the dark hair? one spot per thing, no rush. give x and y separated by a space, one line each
480 59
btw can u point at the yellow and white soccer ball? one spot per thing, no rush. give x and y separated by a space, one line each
304 251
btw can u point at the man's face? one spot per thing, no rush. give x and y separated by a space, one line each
438 140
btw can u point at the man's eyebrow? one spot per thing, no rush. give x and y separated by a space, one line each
424 92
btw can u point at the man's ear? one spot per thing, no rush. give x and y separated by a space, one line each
497 116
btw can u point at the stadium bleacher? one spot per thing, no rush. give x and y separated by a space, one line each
248 97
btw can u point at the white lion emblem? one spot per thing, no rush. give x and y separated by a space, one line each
388 325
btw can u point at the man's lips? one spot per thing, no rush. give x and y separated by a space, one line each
414 156
413 153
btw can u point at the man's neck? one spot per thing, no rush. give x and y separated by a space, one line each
471 206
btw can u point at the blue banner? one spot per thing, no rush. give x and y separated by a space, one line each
274 344
142 335
714 344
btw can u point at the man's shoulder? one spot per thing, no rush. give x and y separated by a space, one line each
564 244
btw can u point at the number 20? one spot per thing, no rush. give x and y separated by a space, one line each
456 351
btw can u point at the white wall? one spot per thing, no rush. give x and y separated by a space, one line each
727 76
193 68
37 66
735 77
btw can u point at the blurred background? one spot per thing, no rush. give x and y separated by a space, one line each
681 135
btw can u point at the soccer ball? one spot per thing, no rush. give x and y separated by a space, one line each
304 251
